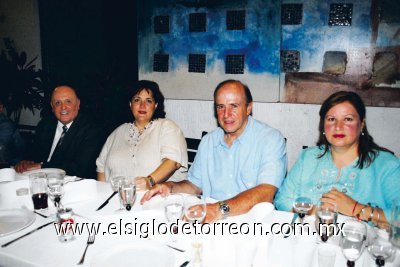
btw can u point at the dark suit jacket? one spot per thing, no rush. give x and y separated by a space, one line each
78 151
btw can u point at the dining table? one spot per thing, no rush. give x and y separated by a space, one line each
142 236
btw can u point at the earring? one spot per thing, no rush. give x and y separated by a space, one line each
362 133
323 133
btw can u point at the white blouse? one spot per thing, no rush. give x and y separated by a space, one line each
129 153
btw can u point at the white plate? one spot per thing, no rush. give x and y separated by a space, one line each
138 253
14 220
45 170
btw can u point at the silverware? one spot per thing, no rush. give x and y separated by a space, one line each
44 216
77 179
34 230
295 215
90 241
106 202
184 264
177 249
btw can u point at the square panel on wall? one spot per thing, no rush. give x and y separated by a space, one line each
340 14
161 24
197 63
197 22
290 61
292 14
236 19
234 64
160 62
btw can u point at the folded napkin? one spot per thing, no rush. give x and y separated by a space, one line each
7 175
78 191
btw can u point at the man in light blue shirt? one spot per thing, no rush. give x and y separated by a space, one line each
241 163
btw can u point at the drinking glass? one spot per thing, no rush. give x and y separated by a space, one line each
381 249
302 205
174 207
114 181
352 242
326 255
38 188
195 208
174 210
55 187
325 220
127 192
394 235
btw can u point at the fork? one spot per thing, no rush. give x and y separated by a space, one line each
89 242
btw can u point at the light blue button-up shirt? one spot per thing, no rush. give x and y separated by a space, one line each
311 176
257 156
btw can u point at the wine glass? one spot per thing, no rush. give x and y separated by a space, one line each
354 235
325 220
195 209
302 205
394 235
114 182
127 192
174 210
55 187
381 249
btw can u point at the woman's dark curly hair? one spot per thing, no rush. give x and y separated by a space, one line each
367 149
152 87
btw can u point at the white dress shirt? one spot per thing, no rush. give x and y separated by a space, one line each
59 130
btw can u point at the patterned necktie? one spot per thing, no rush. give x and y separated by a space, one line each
65 129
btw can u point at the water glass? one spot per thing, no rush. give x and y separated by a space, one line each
38 188
325 220
394 235
195 208
326 255
174 207
302 205
352 242
114 181
55 187
127 193
381 249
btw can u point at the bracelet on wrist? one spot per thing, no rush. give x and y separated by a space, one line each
151 181
371 215
361 213
354 208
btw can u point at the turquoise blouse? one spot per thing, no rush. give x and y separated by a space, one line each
311 176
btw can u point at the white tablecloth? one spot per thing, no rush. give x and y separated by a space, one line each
43 248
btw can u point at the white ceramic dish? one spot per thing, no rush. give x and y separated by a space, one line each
14 220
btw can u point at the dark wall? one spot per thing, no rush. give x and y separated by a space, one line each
92 45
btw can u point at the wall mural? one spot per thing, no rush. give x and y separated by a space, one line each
295 52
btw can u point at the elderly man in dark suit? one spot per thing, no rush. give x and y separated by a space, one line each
69 141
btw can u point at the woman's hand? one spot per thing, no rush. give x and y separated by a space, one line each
163 189
344 203
142 183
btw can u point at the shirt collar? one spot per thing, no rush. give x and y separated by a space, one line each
60 125
220 136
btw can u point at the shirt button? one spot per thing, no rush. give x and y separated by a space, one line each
230 175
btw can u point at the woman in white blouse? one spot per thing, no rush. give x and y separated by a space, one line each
152 147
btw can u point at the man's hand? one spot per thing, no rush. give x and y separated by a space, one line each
164 189
26 165
213 213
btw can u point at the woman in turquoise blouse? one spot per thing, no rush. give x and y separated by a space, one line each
346 167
